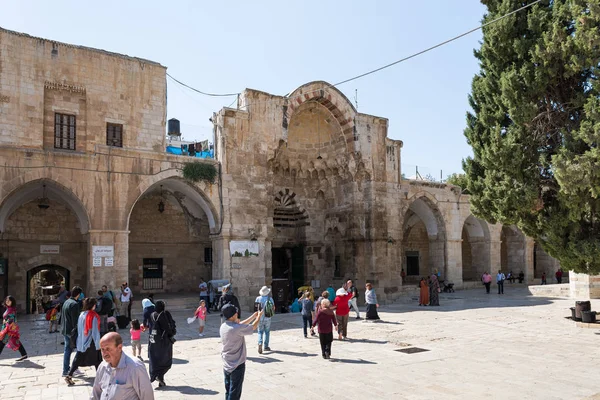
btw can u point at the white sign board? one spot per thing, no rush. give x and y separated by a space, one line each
243 248
97 261
108 261
49 249
103 251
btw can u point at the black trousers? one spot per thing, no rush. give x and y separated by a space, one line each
500 287
21 349
326 339
487 287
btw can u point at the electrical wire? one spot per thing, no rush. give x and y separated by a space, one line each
205 93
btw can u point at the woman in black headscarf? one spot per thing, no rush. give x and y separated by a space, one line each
160 347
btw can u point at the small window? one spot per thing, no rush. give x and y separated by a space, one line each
64 131
208 254
114 135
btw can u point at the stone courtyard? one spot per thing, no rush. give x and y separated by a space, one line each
478 346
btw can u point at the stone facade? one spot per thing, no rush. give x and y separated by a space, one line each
314 183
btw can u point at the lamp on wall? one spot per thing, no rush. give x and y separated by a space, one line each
161 205
43 203
390 240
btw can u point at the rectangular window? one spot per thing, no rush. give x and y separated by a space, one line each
208 254
412 263
152 273
114 135
64 131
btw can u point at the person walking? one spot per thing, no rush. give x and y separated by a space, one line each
371 300
324 321
88 339
434 291
342 311
307 312
558 275
9 334
104 309
149 309
265 304
119 376
233 353
423 292
126 298
543 278
487 281
500 278
354 300
228 298
136 339
200 315
204 294
69 317
160 347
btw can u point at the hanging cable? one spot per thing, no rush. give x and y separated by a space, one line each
201 92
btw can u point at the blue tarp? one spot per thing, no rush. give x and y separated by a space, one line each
200 154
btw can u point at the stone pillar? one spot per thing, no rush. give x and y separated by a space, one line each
453 273
113 276
221 266
583 286
495 248
529 250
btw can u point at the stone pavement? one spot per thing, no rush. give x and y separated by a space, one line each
478 346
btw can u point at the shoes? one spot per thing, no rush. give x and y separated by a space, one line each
260 349
358 318
305 336
22 358
324 356
140 358
62 342
78 373
327 356
201 334
267 348
161 382
69 380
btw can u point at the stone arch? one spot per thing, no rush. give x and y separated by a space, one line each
475 246
33 190
332 99
194 199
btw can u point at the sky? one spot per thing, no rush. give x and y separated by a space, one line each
275 46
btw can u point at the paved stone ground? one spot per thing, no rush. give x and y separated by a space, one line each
479 346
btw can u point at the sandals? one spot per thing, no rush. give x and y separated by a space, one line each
69 381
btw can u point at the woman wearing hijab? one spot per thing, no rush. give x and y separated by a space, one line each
434 290
371 299
160 347
88 339
148 308
9 334
424 292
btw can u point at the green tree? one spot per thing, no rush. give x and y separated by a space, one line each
458 180
535 126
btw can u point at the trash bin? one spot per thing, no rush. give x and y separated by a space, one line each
588 317
581 306
573 315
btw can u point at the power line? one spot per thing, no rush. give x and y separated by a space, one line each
204 93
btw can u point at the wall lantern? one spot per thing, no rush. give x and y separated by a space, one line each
44 203
161 205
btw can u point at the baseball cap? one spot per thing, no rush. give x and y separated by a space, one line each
229 311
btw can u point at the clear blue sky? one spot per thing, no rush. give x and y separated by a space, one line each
276 46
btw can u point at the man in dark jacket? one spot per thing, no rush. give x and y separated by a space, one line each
229 298
69 316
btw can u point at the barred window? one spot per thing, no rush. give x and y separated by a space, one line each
64 131
114 135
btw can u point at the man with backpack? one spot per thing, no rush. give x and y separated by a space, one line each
265 304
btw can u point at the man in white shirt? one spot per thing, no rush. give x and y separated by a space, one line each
120 377
125 300
500 281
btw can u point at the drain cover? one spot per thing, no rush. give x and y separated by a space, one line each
412 350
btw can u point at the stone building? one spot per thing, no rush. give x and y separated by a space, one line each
311 188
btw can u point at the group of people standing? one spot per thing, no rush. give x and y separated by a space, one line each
429 291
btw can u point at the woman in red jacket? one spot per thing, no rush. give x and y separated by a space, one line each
324 319
342 310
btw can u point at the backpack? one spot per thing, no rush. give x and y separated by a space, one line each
269 309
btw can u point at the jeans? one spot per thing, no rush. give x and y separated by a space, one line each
500 287
354 306
306 323
67 355
233 382
326 339
264 327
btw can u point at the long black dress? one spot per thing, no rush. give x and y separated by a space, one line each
160 347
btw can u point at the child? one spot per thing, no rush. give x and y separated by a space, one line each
135 338
324 319
201 315
54 316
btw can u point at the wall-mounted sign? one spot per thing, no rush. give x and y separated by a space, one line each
103 251
108 261
49 249
97 261
243 248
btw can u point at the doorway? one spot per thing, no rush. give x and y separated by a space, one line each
288 266
43 284
412 263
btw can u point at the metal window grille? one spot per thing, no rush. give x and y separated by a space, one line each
114 135
152 273
208 255
64 131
